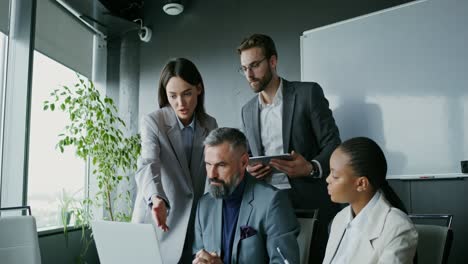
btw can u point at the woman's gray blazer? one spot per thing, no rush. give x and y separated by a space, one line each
163 170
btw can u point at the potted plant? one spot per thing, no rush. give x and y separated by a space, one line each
69 206
97 135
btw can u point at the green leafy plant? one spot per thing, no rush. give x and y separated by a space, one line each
68 205
97 135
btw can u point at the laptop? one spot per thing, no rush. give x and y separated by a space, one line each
123 243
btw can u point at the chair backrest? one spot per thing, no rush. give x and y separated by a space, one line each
435 241
425 219
18 240
308 222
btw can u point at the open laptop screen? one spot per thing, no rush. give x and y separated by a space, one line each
119 243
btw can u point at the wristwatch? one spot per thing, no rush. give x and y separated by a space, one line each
314 169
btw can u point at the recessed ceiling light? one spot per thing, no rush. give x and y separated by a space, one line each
173 9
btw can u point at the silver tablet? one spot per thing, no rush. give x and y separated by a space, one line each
266 159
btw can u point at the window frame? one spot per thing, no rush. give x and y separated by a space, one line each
15 99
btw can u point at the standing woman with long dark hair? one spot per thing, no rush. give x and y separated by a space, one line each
171 172
375 227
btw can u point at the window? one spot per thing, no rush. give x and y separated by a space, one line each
51 174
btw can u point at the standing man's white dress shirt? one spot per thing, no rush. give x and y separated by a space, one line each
271 132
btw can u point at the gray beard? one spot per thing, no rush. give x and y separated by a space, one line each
223 191
219 192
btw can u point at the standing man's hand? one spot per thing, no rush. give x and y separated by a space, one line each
259 170
298 166
159 211
204 257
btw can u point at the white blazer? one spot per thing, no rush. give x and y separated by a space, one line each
164 170
389 237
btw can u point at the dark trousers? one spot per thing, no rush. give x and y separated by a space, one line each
187 256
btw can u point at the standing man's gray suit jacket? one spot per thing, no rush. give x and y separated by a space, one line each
310 130
266 221
164 170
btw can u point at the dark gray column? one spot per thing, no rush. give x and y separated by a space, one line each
129 81
128 90
113 70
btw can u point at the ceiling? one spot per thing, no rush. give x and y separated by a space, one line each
127 9
109 18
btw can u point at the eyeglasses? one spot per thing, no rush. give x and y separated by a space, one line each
253 66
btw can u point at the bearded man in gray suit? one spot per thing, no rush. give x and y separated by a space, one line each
289 117
241 220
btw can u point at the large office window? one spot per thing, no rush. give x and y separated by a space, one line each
61 49
32 171
54 177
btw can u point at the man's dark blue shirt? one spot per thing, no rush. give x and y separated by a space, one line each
231 207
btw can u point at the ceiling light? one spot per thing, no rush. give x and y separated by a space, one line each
173 9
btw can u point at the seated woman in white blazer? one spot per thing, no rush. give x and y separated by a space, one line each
374 228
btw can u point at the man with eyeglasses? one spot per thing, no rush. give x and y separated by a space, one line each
289 117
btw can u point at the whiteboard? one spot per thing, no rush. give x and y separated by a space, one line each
400 77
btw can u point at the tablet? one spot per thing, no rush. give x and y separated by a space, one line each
266 159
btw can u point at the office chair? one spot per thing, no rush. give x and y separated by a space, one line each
435 241
18 238
308 221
